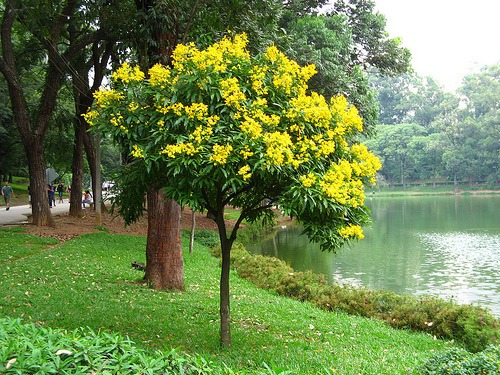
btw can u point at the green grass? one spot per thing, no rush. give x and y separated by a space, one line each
15 244
88 281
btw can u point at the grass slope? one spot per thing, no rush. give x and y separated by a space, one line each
88 282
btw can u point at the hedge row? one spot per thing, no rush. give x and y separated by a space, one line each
471 325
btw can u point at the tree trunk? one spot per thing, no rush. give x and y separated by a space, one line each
75 198
98 183
38 186
455 182
89 144
225 316
164 263
193 227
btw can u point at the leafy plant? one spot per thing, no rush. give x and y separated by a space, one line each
458 361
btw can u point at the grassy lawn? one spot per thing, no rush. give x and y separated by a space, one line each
88 281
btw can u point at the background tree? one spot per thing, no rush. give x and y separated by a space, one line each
222 128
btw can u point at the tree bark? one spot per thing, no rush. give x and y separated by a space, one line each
225 311
38 186
224 303
193 227
75 199
164 263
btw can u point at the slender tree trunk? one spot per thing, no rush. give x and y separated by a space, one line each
164 263
89 144
193 227
224 303
75 199
455 182
98 184
225 320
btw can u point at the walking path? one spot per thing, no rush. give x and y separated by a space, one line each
17 214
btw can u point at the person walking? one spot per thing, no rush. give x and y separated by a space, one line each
7 192
60 191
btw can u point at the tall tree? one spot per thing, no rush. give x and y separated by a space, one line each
223 128
19 17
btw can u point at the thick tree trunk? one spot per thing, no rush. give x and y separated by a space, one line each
38 186
164 263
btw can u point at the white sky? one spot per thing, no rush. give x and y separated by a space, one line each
448 39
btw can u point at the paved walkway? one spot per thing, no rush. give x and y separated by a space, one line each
16 214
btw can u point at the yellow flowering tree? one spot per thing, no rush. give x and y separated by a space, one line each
223 128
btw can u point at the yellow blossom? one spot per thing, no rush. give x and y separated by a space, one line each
137 152
220 153
126 73
159 75
308 180
105 97
245 172
351 231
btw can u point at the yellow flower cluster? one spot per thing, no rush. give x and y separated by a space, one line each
278 148
257 75
116 119
105 97
245 172
220 153
308 180
246 153
90 116
288 73
351 231
137 152
196 110
312 108
231 92
368 163
159 75
201 133
215 58
339 184
181 148
251 127
347 116
132 107
126 73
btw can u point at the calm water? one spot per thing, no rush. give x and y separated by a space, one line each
443 245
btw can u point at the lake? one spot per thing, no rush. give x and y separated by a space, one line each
448 246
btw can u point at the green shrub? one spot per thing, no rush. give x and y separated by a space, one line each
473 326
29 349
458 361
208 238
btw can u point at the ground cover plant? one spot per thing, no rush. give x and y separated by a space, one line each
31 349
457 361
88 282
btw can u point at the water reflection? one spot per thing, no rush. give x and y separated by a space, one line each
445 246
461 265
